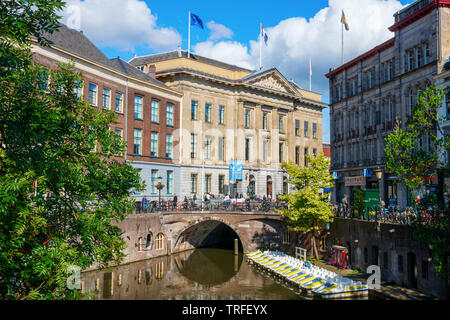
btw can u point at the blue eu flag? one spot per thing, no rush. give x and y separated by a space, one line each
195 20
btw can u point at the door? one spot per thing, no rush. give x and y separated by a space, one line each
412 270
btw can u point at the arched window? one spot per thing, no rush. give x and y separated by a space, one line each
148 244
140 244
159 242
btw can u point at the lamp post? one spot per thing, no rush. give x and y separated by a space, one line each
379 175
159 190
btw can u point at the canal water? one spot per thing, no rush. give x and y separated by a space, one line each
201 274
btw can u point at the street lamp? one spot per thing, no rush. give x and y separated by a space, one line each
379 175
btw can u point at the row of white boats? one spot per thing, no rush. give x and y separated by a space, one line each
321 282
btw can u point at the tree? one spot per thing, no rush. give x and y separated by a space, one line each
62 184
308 209
416 156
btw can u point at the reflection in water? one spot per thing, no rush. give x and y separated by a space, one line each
202 274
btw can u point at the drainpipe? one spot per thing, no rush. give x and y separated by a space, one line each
126 121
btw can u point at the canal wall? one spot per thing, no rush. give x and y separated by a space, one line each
402 258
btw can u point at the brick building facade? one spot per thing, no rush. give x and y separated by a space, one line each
134 96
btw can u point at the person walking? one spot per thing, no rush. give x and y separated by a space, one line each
175 202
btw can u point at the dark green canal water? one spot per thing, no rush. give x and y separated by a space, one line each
202 274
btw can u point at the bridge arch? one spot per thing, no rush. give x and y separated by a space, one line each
208 232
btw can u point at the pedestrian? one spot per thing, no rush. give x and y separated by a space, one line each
175 201
247 200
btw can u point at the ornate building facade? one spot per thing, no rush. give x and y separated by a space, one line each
371 92
228 113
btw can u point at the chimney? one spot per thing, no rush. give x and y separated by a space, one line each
152 71
179 51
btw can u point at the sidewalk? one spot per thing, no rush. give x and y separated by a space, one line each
387 291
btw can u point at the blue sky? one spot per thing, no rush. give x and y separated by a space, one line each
297 30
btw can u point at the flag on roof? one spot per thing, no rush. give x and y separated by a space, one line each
264 35
344 21
196 21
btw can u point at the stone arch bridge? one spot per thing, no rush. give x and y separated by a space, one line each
156 234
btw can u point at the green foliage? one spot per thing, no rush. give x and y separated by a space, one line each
63 184
308 209
409 160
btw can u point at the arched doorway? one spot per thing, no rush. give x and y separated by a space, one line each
269 186
412 270
251 186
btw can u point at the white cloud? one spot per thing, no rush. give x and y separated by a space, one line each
122 24
219 31
227 51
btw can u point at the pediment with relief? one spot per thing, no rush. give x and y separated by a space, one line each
274 83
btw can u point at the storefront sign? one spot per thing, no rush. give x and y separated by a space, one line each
355 181
368 173
336 175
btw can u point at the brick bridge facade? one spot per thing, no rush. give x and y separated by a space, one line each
157 234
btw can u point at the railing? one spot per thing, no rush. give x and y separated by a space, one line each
403 216
214 205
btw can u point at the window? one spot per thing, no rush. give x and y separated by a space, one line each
207 147
169 182
155 176
280 152
138 107
78 88
410 102
159 242
221 184
305 129
208 183
297 155
247 149
193 146
159 270
375 255
106 101
169 146
138 141
119 132
154 144
315 130
389 110
194 108
409 60
424 269
366 256
400 263
264 120
221 148
247 118
280 124
221 114
297 128
194 183
155 111
286 237
119 102
169 115
207 112
306 158
315 153
92 98
418 56
426 52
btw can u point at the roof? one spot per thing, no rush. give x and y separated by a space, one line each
75 42
138 61
78 44
380 48
124 67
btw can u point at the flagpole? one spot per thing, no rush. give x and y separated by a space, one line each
189 35
342 42
260 47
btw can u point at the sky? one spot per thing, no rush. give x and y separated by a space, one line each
297 30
